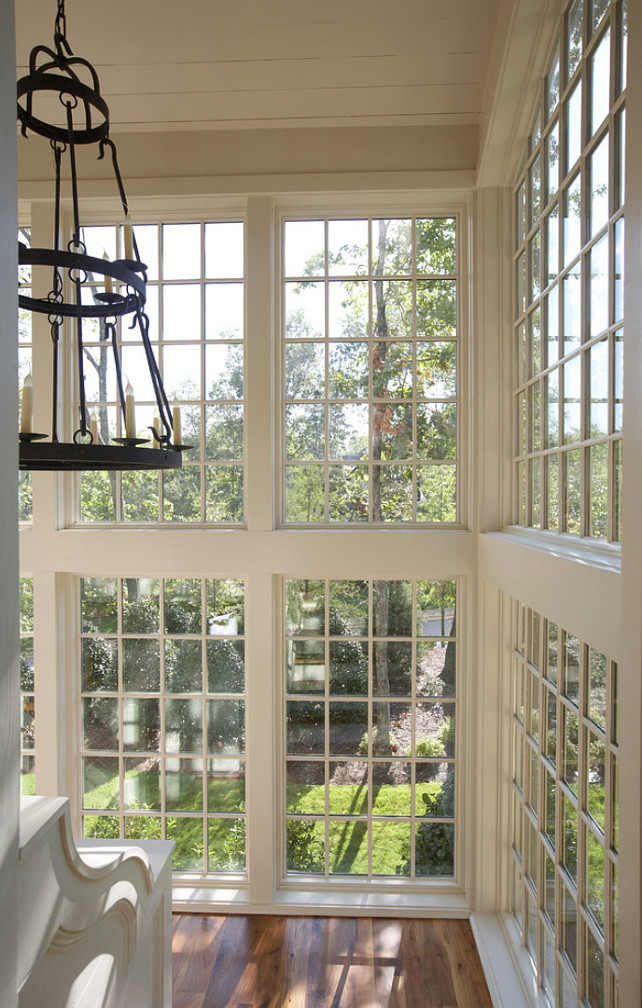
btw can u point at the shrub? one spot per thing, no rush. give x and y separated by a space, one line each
304 848
429 747
363 744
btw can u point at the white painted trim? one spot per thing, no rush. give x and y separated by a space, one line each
305 902
579 595
529 27
506 966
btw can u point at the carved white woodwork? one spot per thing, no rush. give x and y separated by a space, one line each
94 916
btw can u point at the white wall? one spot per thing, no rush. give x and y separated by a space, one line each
8 516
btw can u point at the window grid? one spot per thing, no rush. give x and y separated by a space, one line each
370 310
356 806
565 811
25 367
27 696
568 264
195 306
163 700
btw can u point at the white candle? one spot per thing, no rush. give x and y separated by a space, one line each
129 242
130 421
93 428
176 424
27 405
109 289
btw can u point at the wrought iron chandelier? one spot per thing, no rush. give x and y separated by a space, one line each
84 119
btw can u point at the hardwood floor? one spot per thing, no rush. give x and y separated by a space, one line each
325 962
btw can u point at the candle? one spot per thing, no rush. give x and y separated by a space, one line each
129 242
156 424
27 405
108 284
93 428
130 421
176 424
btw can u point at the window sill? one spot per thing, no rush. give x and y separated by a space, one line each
606 556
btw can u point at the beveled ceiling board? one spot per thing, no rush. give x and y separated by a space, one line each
198 64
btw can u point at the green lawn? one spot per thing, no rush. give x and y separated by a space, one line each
348 838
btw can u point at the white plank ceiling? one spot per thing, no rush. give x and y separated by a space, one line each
208 64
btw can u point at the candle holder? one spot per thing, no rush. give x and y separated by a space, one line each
28 436
57 79
131 442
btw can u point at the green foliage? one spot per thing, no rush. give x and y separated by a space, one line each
434 845
430 748
374 734
305 851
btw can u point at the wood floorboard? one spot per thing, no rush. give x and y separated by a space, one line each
247 961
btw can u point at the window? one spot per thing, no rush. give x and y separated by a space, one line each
163 716
27 696
370 310
25 367
180 647
565 811
569 255
371 704
195 306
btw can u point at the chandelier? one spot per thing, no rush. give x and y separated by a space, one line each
60 100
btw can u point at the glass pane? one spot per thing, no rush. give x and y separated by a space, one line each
224 311
305 845
574 20
304 311
181 245
572 399
348 309
348 247
304 494
183 784
225 666
305 790
225 726
574 125
224 249
599 197
304 248
572 220
348 608
599 286
100 782
347 371
600 81
141 666
141 724
223 372
436 241
226 844
99 665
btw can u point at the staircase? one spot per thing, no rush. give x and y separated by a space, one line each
94 916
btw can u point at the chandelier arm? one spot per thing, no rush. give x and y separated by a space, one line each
55 340
106 141
74 178
157 382
111 329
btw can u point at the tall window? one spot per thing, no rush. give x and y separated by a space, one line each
371 704
565 811
27 695
25 364
370 311
163 716
195 306
569 257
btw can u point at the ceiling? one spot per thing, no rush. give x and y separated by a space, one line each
211 64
